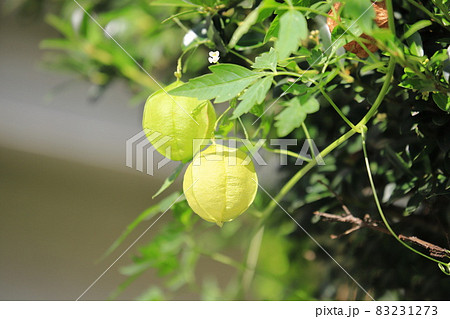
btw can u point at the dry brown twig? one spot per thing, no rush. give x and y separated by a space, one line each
367 222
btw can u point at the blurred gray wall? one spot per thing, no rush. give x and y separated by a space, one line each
65 192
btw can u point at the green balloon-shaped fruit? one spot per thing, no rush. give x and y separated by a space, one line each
220 183
177 125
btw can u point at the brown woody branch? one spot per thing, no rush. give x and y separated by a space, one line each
368 222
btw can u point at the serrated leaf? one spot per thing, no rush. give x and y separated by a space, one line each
295 113
224 83
309 103
293 28
255 94
146 214
169 180
290 118
267 60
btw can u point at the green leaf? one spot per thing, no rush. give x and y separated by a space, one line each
162 206
255 94
61 44
290 118
179 14
205 3
362 12
152 294
295 113
61 25
296 89
293 28
273 30
309 103
416 27
244 27
415 44
224 83
267 60
442 100
169 180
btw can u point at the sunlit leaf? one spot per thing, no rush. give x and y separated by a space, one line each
169 180
224 83
293 29
145 215
267 60
290 118
442 100
255 94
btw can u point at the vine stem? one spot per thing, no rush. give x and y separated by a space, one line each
336 108
380 210
250 62
286 152
357 129
288 186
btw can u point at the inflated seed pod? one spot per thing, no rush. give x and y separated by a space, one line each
177 125
220 183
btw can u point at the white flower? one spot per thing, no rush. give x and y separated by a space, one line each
213 56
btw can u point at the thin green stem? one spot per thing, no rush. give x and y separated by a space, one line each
241 56
302 172
337 109
225 260
286 152
181 25
308 138
298 75
252 260
381 95
243 128
222 115
380 210
304 9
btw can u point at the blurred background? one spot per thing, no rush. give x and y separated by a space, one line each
65 192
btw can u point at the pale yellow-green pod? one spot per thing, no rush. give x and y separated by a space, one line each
220 184
176 125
